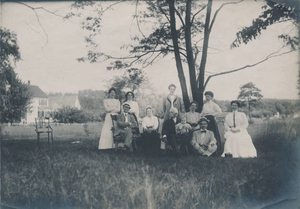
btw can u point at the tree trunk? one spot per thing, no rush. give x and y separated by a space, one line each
177 55
189 50
249 109
204 54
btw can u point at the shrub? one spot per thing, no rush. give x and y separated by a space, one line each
69 115
261 113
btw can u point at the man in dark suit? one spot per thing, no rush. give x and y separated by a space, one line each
168 130
125 123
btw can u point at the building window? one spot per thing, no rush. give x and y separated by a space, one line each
43 102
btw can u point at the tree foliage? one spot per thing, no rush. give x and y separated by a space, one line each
182 29
14 94
250 95
273 13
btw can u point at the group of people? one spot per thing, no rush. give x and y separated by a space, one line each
184 132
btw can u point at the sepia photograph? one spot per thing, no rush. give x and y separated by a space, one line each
150 104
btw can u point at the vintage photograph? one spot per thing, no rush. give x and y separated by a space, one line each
150 104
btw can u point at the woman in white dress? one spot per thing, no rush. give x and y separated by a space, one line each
112 107
210 110
238 141
134 107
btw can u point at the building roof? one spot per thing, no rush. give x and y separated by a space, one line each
56 102
35 91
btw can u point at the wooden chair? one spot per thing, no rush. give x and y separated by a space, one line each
42 125
119 139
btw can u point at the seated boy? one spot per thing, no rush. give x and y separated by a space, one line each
203 140
183 133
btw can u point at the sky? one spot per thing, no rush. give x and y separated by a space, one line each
51 63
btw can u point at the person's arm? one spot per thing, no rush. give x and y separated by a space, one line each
244 121
137 110
182 108
133 122
217 110
164 106
117 108
121 123
226 126
212 146
108 107
177 129
155 125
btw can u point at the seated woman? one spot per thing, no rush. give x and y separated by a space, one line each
150 135
203 140
192 117
210 111
238 142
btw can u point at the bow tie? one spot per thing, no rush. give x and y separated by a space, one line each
203 131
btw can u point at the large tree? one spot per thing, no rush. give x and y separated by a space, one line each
14 95
182 28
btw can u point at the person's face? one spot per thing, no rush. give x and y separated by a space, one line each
193 107
203 124
126 109
173 114
149 112
112 94
129 96
234 106
172 89
183 120
208 97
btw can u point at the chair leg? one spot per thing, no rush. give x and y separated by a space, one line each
48 138
38 138
52 137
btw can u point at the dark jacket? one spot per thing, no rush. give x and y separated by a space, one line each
169 127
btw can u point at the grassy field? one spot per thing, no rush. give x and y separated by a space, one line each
77 175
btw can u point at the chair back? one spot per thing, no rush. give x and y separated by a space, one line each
42 123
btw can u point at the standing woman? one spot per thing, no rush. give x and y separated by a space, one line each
210 111
238 142
134 107
112 107
172 101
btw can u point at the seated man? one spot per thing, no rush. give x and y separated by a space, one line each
183 132
203 140
125 123
168 130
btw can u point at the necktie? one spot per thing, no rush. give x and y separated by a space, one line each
234 119
126 119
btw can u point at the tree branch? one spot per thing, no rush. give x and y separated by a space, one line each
272 55
137 19
197 13
179 15
218 10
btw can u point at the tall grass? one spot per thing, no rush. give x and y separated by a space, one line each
68 175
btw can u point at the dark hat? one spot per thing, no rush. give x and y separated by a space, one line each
203 119
126 105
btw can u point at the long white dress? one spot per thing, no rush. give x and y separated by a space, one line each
238 144
112 106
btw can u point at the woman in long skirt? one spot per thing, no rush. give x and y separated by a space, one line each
210 111
238 142
112 107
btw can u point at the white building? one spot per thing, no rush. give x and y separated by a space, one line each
39 106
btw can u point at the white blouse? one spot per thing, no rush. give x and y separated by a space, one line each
211 108
241 121
150 121
134 108
111 105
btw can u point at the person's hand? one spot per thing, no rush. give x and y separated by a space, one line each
164 139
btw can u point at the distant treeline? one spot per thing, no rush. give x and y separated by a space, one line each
91 102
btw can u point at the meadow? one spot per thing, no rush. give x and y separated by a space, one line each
73 173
